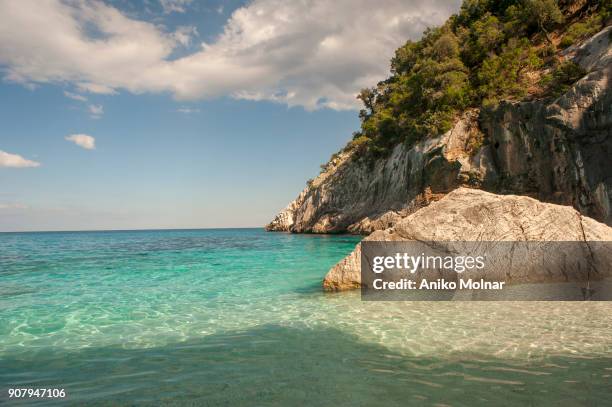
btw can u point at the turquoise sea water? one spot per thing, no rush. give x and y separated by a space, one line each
237 317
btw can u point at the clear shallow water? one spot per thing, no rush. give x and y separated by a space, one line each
236 317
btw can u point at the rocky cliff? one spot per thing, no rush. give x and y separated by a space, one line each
556 150
478 216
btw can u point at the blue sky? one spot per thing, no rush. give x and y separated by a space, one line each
181 114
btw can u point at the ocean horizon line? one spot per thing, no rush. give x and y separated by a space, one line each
127 230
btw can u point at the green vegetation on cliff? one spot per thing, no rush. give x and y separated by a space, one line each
491 50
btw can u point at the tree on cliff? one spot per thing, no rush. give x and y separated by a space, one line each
490 50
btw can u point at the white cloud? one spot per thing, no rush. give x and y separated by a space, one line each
75 96
184 35
187 110
82 140
15 161
177 6
96 88
313 54
95 111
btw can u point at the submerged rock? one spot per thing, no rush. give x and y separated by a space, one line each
475 215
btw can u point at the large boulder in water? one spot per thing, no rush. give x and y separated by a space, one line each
471 215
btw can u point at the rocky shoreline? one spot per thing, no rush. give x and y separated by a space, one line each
534 170
555 150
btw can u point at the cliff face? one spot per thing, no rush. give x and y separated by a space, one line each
560 151
358 196
557 151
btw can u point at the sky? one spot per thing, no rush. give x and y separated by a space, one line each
182 113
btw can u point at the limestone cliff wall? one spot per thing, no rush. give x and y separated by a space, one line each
557 151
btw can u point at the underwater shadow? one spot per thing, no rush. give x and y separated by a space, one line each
285 366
